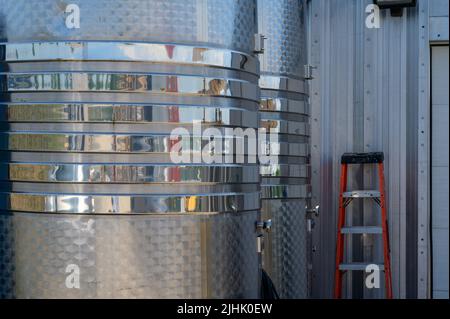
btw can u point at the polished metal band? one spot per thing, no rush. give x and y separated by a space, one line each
141 98
286 170
130 114
135 204
285 191
286 149
280 104
130 83
127 51
127 158
137 173
281 83
194 130
127 189
110 143
286 127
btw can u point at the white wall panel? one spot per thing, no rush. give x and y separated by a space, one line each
440 169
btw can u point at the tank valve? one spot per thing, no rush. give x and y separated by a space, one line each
264 225
259 43
310 214
309 71
313 211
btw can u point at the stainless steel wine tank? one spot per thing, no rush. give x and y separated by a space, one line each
91 203
286 189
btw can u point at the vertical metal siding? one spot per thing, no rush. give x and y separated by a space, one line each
362 100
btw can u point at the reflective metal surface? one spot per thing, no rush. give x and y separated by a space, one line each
285 170
110 173
282 83
132 52
129 256
136 204
148 114
286 187
283 101
101 82
100 143
228 24
87 180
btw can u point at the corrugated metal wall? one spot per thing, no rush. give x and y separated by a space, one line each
364 98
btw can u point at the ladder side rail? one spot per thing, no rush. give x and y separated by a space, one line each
340 235
385 226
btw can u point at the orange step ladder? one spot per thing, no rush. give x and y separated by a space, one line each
345 197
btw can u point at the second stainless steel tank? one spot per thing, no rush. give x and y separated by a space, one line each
285 111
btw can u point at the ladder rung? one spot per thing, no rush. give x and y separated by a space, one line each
358 266
362 194
362 158
362 230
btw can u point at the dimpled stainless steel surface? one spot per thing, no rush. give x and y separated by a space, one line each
228 24
87 178
135 52
286 188
133 256
7 258
285 249
282 22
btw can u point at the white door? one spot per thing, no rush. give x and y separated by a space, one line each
440 172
